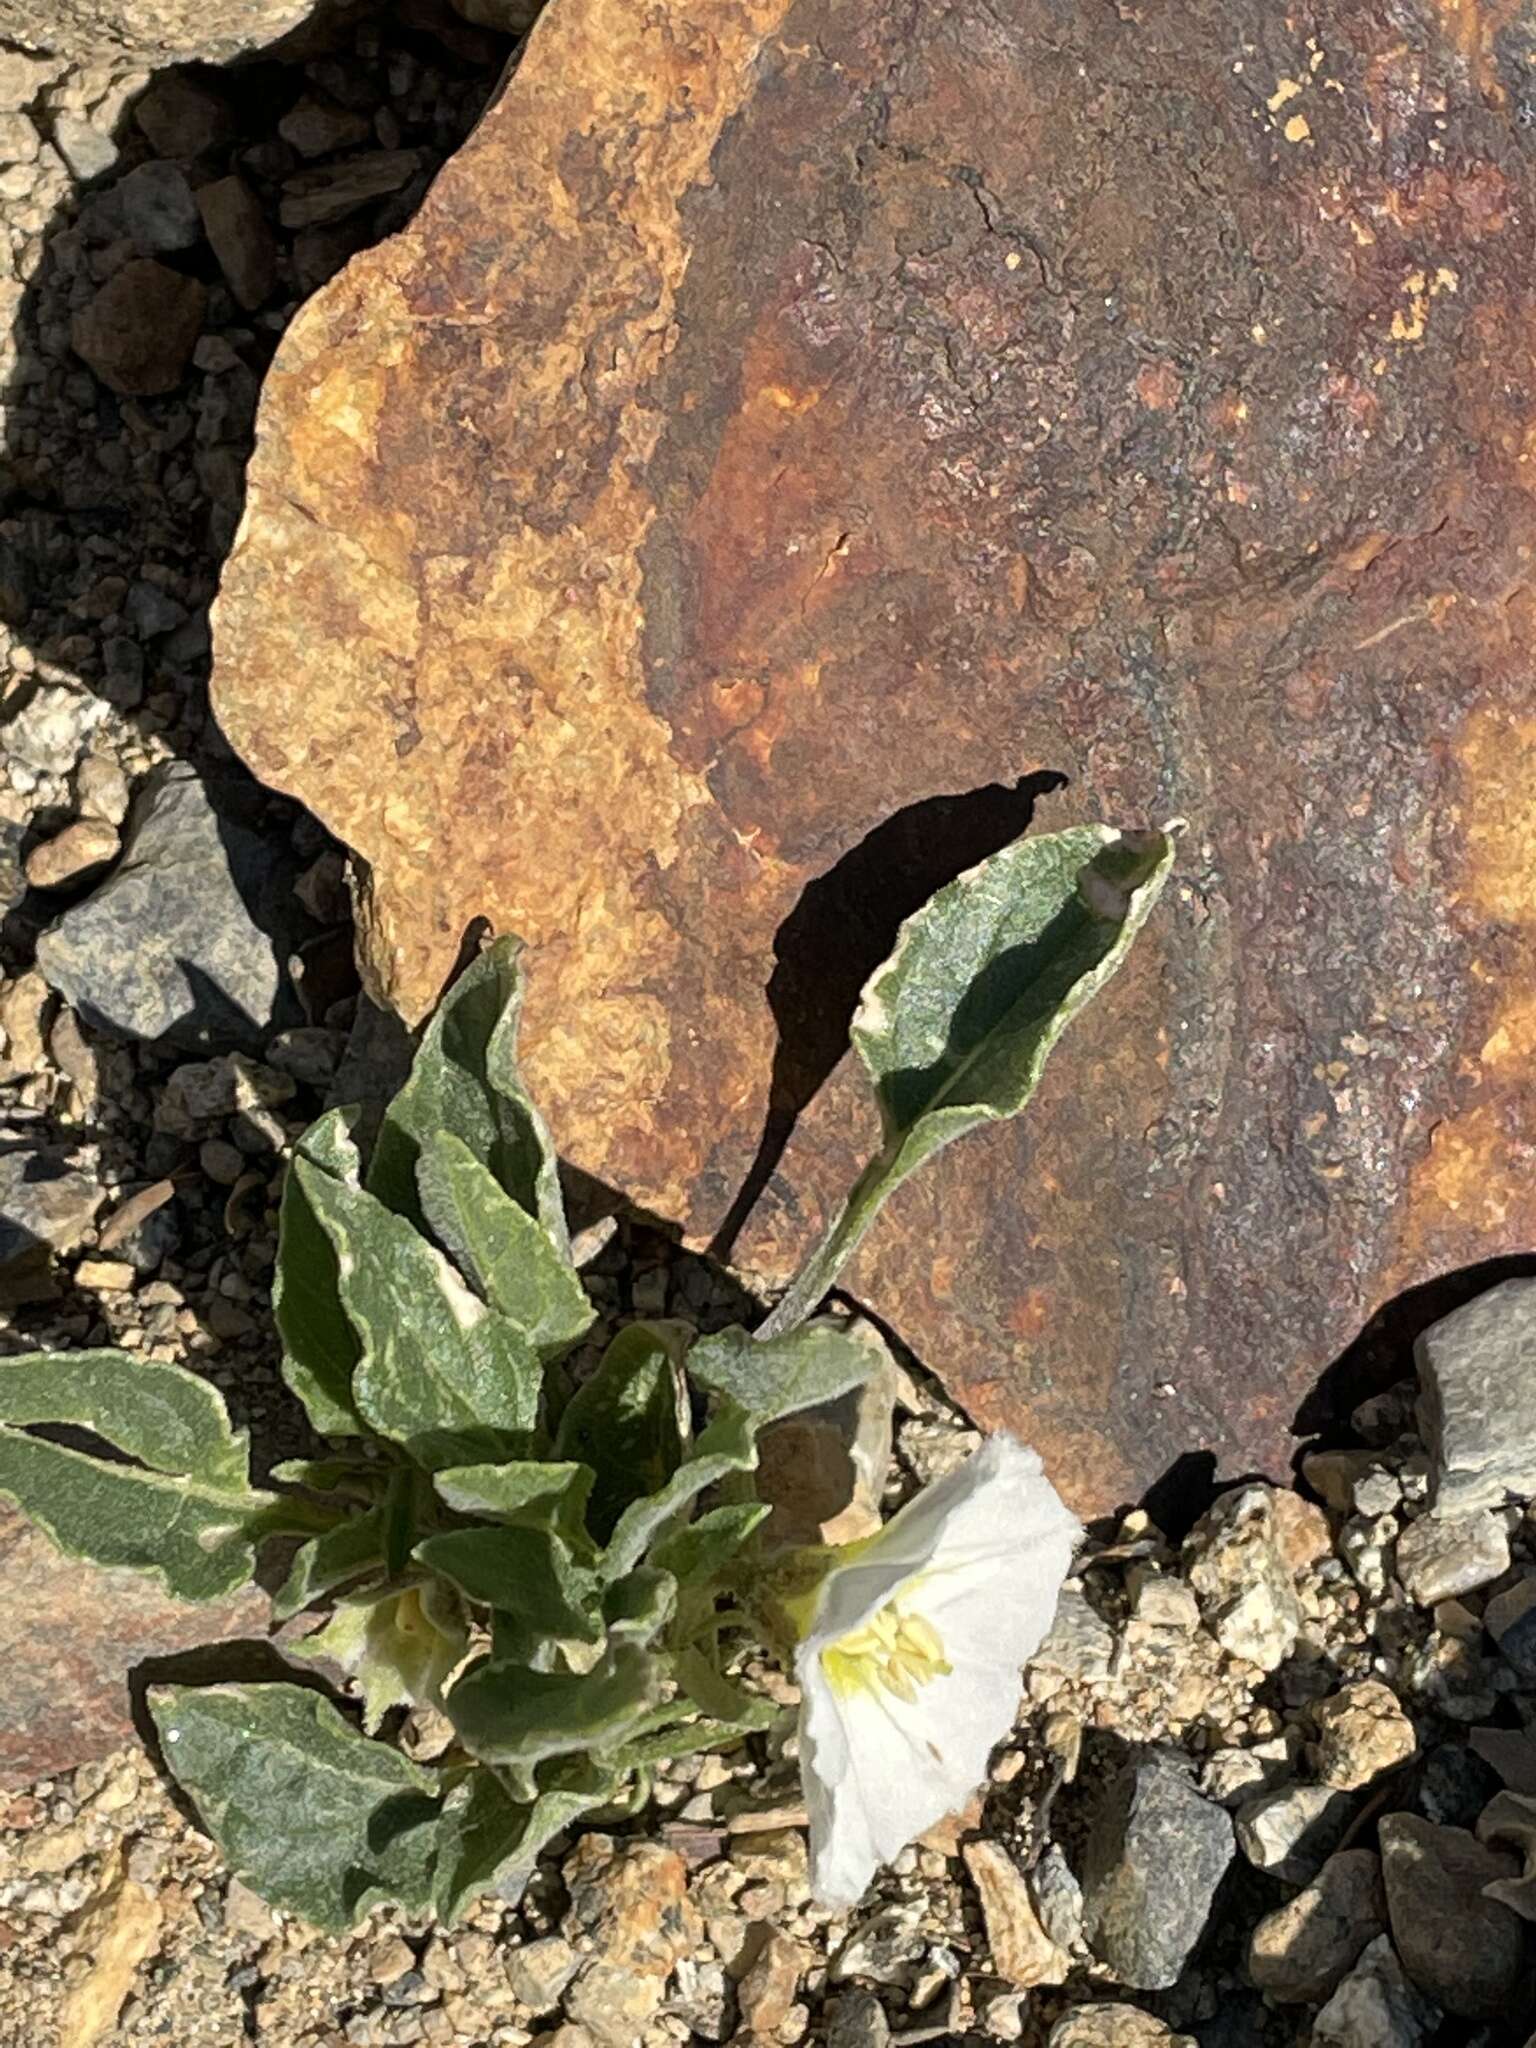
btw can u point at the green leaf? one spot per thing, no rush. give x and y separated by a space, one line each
526 1573
624 1421
779 1376
694 1553
727 1445
186 1511
320 1347
955 1028
490 1842
552 1496
309 1814
334 1559
506 1713
163 1415
440 1372
508 1254
464 1079
721 1701
351 1477
641 1604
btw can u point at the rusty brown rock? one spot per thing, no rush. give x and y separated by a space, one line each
789 434
70 1633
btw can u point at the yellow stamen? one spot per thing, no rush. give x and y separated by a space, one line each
896 1649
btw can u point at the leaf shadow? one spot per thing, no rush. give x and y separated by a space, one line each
841 929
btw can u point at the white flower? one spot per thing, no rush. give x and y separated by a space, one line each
910 1670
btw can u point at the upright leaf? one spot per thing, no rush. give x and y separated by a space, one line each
507 1253
464 1079
526 1573
955 1028
548 1495
489 1841
334 1559
185 1511
729 1444
307 1812
805 1367
439 1372
320 1347
624 1421
698 1550
508 1714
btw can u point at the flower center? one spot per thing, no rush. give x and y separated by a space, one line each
896 1650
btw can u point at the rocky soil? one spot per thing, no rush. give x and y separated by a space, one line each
1272 1780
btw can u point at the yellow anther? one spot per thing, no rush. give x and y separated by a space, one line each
896 1650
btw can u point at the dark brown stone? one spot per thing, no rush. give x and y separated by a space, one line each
792 432
70 1633
139 331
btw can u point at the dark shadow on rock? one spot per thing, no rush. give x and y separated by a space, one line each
844 925
1383 1352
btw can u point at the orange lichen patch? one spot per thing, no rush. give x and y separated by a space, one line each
1031 1313
1473 27
1474 1177
1159 386
1497 757
1511 1042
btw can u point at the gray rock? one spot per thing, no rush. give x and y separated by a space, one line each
1151 1865
176 944
1114 2025
1080 1644
858 2021
1238 1568
1439 1556
48 733
87 149
159 211
1510 1618
1299 1952
1058 1897
1467 1952
1477 1399
1292 1832
240 238
198 1097
538 1971
1375 2006
153 32
46 1205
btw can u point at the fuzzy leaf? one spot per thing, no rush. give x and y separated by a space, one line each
186 1511
320 1347
307 1812
509 1714
640 1605
716 1697
344 1553
490 1842
552 1496
508 1254
694 1553
955 1028
780 1376
440 1372
727 1445
348 1476
464 1079
526 1573
624 1420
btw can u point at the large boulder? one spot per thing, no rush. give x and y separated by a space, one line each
791 436
151 31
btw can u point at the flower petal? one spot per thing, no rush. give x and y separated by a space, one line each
979 1557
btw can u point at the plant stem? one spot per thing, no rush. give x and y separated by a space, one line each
819 1273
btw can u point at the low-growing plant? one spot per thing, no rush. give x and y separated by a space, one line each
574 1573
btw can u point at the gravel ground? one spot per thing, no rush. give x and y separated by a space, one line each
1244 1798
